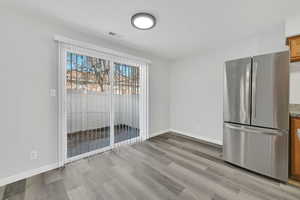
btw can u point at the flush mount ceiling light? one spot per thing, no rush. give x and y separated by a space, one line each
143 21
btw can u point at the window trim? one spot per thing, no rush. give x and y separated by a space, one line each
65 45
108 52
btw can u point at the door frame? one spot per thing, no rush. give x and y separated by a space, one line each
68 45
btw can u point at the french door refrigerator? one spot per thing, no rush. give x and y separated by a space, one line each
256 116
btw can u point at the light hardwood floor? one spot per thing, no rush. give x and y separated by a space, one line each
168 166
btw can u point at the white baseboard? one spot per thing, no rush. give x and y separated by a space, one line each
159 133
218 142
27 174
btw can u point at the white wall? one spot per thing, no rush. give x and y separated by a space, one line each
292 28
196 84
159 97
28 70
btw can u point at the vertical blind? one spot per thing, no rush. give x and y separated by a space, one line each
126 92
92 85
88 117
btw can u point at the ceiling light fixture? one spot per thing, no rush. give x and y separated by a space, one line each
143 21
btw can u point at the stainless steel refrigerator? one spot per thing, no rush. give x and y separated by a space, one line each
256 115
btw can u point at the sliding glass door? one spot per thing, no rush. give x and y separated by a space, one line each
88 103
102 103
126 92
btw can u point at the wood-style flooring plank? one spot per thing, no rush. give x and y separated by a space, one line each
2 189
166 167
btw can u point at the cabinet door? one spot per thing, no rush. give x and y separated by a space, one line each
294 43
295 148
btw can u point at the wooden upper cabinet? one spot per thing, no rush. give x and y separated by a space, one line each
295 148
294 43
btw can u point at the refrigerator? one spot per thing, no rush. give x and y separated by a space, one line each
256 114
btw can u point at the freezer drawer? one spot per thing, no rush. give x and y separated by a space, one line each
264 151
270 90
237 89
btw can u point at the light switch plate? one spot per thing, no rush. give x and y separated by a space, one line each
33 155
53 92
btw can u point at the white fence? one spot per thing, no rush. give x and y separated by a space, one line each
92 110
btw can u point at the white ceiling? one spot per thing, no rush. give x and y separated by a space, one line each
183 26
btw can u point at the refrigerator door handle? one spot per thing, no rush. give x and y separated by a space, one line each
257 130
248 89
254 89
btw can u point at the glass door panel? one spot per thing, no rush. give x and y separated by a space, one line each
126 95
88 104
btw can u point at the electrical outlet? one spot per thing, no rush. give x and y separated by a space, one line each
33 155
